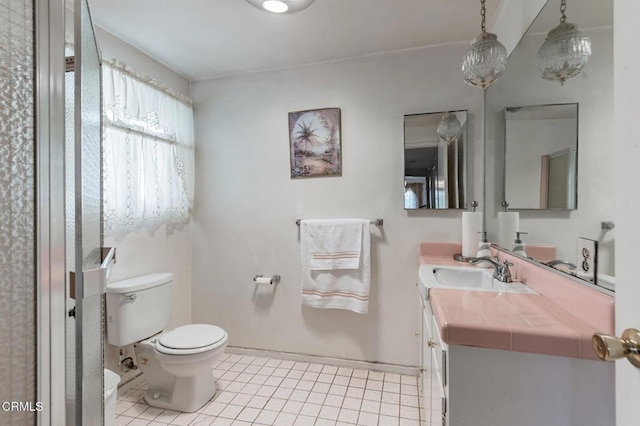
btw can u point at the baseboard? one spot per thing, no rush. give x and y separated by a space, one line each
340 362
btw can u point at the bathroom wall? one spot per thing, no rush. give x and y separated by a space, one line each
246 203
593 90
141 252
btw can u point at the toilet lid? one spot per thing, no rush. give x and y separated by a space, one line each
192 336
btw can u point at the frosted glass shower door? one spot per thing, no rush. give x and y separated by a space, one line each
90 272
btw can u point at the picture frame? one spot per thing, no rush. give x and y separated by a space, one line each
315 143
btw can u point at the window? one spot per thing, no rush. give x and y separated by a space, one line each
148 153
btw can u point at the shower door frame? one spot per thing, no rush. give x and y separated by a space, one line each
49 40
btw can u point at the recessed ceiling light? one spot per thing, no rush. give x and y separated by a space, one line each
275 6
281 6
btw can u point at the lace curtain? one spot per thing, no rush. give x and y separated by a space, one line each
148 153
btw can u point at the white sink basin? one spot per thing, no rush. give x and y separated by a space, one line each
467 278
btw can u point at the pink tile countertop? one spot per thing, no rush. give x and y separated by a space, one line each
558 321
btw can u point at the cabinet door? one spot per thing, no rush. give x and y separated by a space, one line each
426 366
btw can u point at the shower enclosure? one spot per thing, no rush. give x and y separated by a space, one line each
52 373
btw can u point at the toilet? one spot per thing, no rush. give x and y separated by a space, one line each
177 364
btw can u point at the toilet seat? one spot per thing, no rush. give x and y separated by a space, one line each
191 339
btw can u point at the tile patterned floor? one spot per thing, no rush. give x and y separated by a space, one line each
270 391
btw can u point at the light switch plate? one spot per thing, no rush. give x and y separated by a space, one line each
587 259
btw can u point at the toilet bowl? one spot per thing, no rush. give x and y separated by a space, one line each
177 364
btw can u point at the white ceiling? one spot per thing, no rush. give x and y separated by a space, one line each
202 39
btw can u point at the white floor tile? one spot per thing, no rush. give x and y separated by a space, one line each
258 402
355 392
267 417
392 378
285 419
224 397
214 408
389 409
292 407
305 421
325 422
360 373
305 385
299 395
202 420
300 366
344 371
273 392
330 413
348 416
317 397
372 395
388 420
275 404
352 403
409 413
282 393
367 419
266 390
376 375
370 406
231 411
124 420
309 409
409 400
184 419
248 414
334 400
341 380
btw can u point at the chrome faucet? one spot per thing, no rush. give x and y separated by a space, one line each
566 263
501 270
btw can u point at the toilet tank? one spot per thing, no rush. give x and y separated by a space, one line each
138 308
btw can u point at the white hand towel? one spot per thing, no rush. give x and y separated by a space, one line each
337 288
333 243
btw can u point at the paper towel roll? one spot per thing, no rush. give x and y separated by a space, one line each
508 225
471 228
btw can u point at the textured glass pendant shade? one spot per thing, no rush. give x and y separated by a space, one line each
484 61
564 53
449 127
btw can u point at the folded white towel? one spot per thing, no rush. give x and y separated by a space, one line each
333 243
333 281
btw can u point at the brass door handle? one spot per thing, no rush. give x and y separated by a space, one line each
431 343
610 348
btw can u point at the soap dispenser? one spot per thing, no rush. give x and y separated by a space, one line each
484 250
518 247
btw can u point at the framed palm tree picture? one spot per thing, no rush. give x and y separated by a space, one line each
315 143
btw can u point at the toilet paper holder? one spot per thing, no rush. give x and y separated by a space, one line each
260 279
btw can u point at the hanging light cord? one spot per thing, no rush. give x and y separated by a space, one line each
483 13
563 8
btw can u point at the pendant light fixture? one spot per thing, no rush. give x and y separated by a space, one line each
281 6
565 51
449 128
485 60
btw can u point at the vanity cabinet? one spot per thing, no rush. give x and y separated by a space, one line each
475 386
433 369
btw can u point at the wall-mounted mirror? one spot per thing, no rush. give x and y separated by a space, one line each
435 160
541 157
559 231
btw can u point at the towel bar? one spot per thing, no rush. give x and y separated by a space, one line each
376 222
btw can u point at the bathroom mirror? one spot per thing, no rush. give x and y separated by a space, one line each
541 161
435 160
585 102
